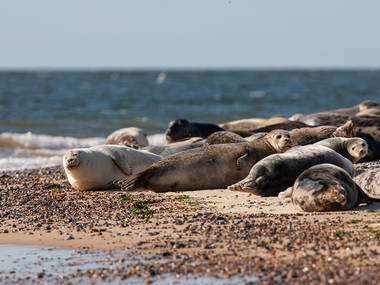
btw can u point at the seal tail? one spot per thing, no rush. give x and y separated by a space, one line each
133 182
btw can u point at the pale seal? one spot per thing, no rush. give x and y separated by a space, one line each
209 167
351 148
368 124
132 137
277 172
324 187
289 125
181 129
97 167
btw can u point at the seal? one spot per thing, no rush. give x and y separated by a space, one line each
173 148
97 167
290 125
337 117
224 137
242 125
352 148
304 136
325 187
132 137
368 124
277 172
369 181
324 118
209 167
181 129
373 147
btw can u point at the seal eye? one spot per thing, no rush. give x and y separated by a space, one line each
363 144
278 136
353 148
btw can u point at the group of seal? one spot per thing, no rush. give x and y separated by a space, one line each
255 155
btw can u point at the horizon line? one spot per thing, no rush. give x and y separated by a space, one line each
178 69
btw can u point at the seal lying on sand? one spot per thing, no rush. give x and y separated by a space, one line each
224 137
324 187
352 148
309 135
132 137
209 167
290 125
373 147
242 125
277 172
369 182
368 124
181 128
338 116
97 167
166 150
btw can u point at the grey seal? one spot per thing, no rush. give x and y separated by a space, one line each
277 172
325 187
351 148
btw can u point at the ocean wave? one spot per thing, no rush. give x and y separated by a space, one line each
28 150
33 141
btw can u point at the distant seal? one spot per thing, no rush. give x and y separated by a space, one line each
351 148
209 167
369 182
224 137
373 147
132 137
173 148
368 124
290 125
338 116
97 167
324 118
325 187
243 124
277 172
181 128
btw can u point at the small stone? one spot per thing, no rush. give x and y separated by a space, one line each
69 237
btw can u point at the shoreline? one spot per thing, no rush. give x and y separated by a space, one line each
208 232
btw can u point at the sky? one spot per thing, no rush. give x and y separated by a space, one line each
196 34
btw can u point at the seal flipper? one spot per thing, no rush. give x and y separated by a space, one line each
120 160
244 161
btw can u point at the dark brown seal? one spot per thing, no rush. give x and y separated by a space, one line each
181 128
209 167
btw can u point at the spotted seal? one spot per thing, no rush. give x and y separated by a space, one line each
324 187
277 172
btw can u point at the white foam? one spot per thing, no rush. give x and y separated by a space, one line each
28 150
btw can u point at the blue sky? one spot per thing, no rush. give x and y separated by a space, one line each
192 34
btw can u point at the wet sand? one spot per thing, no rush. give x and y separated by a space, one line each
175 237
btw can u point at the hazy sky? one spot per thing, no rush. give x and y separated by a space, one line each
189 34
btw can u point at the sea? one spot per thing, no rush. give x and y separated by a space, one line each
45 113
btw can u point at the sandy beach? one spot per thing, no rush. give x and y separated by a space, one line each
216 233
